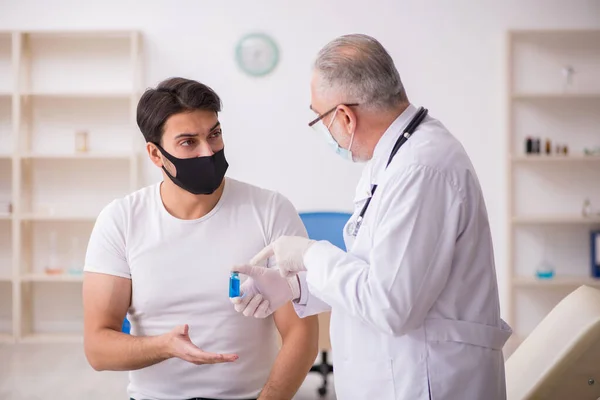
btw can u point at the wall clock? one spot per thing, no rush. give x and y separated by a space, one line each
257 54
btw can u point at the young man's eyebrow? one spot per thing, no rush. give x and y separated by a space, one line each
186 135
191 135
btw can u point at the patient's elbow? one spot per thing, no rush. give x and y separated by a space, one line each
92 356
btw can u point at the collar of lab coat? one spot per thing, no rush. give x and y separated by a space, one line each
382 153
387 141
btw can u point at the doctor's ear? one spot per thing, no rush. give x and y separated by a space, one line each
348 118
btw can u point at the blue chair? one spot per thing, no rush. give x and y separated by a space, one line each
126 327
325 226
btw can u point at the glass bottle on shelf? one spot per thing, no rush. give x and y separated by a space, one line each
567 71
52 264
81 141
586 210
544 270
75 266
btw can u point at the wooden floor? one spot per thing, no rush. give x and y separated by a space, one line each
60 371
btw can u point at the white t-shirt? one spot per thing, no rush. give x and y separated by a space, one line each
179 271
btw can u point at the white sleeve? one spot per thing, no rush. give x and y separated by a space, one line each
285 221
413 238
308 304
106 251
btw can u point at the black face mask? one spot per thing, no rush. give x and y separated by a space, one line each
197 175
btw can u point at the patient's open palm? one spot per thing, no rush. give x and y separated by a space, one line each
182 347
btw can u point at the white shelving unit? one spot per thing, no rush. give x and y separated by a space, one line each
52 85
546 191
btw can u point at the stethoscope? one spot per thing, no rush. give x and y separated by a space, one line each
353 228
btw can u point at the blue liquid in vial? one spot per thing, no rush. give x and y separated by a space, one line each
547 274
234 285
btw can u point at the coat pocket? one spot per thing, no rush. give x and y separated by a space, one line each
364 380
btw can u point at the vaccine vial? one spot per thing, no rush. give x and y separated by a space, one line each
234 284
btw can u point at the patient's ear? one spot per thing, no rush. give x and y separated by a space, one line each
157 158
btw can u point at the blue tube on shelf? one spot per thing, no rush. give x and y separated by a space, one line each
595 253
234 284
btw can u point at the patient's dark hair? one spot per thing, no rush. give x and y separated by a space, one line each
172 96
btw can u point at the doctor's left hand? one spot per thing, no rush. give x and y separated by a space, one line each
264 291
288 252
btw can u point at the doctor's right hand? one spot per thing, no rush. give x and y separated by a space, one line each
264 291
288 252
178 344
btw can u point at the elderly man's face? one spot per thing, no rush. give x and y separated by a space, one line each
322 101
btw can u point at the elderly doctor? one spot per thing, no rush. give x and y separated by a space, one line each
414 300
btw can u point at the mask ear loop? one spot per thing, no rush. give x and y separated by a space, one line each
351 141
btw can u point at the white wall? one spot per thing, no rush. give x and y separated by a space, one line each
450 55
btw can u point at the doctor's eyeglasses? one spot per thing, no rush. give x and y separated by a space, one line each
321 116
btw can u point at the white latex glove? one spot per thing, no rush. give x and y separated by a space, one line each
264 291
289 254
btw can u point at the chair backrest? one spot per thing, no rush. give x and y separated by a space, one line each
560 358
126 327
326 226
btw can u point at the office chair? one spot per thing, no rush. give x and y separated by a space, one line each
325 226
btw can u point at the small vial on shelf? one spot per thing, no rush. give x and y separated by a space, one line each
234 284
52 265
75 267
528 145
81 141
548 147
586 210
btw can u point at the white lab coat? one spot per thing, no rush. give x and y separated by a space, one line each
414 301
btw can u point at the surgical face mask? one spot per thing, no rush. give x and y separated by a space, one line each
197 175
325 131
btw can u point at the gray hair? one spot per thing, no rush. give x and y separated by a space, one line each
361 68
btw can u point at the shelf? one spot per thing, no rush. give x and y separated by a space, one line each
72 81
52 338
560 220
556 96
558 282
6 338
52 278
81 34
59 218
542 158
77 156
82 95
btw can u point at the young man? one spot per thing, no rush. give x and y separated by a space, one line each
163 255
